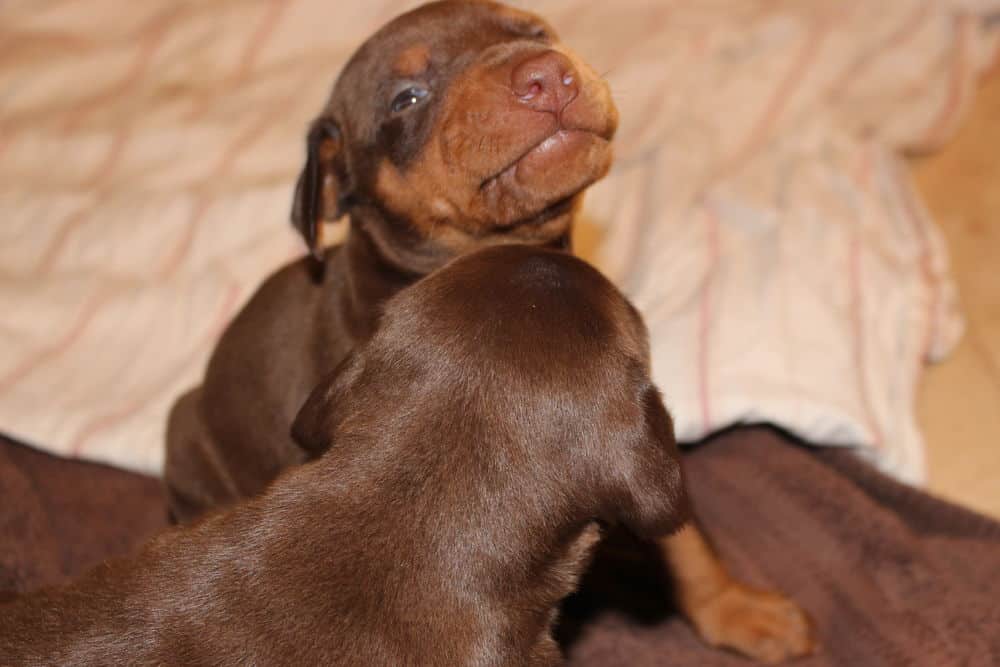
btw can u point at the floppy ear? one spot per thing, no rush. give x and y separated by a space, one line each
648 481
325 409
320 191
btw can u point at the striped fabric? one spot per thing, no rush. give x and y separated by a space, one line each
769 233
757 212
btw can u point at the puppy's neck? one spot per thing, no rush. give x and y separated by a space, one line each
372 276
395 244
384 256
405 250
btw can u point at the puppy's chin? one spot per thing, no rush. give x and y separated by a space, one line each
557 169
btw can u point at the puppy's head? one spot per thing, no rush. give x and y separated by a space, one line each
460 123
519 368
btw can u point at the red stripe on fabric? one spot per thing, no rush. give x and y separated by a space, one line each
705 315
260 36
76 219
247 61
242 141
908 29
926 267
945 118
109 420
204 197
149 37
66 228
116 148
857 308
801 63
51 351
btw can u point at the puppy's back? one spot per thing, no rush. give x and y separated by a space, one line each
532 308
465 455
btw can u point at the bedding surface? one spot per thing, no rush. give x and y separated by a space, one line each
891 576
756 213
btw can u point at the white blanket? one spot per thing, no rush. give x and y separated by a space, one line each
757 213
769 232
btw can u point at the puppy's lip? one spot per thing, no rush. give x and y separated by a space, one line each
554 210
561 138
556 145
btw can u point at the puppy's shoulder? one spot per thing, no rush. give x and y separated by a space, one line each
278 315
305 274
296 285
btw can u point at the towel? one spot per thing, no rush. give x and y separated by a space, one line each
891 576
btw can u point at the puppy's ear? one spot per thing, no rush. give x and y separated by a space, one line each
320 191
324 410
647 482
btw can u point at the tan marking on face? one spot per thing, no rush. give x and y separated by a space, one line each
415 195
522 19
413 61
328 151
445 192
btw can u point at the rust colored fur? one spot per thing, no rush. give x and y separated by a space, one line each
469 455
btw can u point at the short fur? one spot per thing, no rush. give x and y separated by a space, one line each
472 164
506 130
468 456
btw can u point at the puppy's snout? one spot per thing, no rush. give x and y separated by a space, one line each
545 82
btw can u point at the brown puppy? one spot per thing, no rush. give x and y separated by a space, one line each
456 126
436 529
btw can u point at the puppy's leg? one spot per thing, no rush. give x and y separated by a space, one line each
194 476
762 625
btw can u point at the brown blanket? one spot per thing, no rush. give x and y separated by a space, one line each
891 575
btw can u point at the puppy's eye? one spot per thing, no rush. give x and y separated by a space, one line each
411 96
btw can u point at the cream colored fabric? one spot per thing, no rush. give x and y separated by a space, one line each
148 152
787 271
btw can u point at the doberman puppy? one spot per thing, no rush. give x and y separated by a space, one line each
458 125
433 528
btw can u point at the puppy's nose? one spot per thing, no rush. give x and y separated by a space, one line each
546 82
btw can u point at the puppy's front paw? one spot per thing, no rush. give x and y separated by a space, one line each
765 626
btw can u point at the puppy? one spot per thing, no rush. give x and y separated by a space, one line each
458 125
434 528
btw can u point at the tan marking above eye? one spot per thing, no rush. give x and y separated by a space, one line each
524 23
412 61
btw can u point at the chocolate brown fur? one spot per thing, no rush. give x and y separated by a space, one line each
468 456
506 130
451 173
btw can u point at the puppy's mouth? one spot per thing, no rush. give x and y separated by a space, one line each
551 151
550 212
